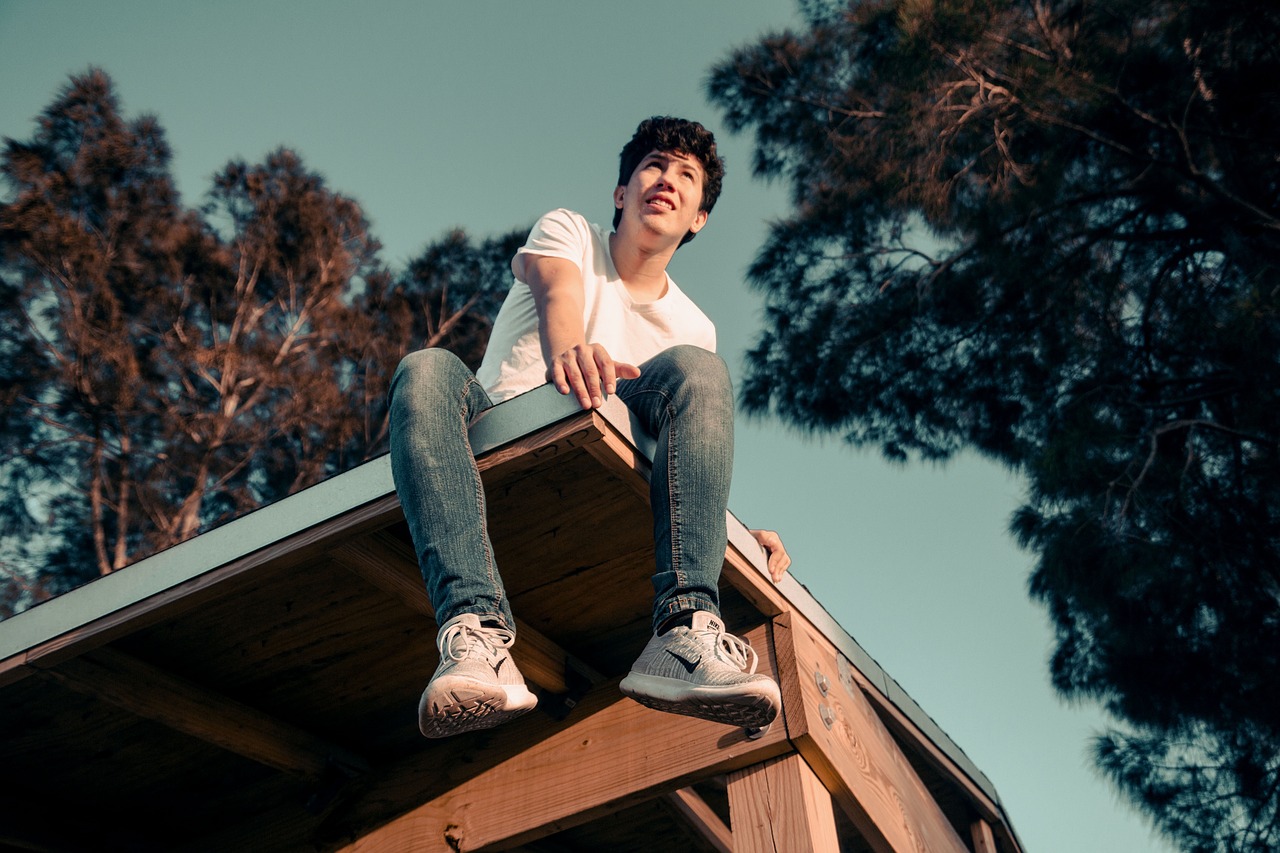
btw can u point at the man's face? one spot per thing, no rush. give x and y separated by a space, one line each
664 194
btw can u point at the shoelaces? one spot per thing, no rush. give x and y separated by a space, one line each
491 639
733 650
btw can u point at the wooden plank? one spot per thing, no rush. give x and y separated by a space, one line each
622 459
984 841
612 754
855 756
167 699
386 562
14 669
702 818
536 448
309 544
902 726
780 806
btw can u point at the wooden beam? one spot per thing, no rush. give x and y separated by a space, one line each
14 669
903 727
755 587
984 841
184 706
855 756
702 818
388 563
780 806
614 753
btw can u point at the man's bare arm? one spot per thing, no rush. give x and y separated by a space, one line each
573 364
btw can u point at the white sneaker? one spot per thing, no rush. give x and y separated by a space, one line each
476 685
703 672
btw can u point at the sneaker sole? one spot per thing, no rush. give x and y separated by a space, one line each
462 705
729 705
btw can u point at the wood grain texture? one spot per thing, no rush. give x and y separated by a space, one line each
780 806
839 734
620 752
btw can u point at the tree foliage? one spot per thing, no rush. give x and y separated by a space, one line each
1050 231
164 369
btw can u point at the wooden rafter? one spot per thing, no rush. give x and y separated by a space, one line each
702 818
150 692
386 562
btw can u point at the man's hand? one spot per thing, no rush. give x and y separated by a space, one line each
779 562
588 372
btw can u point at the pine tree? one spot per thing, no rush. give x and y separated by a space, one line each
1050 232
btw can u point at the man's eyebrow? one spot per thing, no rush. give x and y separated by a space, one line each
686 159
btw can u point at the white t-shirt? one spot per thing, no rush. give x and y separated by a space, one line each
632 332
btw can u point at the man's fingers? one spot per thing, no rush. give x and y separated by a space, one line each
778 559
612 371
590 373
590 395
573 382
609 374
559 379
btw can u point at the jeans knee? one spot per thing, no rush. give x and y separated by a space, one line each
426 376
700 375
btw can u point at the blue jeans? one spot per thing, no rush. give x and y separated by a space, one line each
683 398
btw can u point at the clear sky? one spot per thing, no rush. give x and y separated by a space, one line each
485 114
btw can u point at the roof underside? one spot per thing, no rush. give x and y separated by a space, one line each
259 682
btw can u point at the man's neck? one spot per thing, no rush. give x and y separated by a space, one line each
642 268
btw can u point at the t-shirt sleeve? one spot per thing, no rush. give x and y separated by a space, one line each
559 234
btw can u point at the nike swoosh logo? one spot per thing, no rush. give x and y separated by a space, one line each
688 667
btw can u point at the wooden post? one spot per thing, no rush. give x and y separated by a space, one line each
780 806
837 731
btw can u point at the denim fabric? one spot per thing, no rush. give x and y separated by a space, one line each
683 398
434 399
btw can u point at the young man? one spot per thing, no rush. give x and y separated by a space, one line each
594 313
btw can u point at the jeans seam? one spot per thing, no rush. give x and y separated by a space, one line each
673 495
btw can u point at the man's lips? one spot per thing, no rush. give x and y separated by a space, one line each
660 202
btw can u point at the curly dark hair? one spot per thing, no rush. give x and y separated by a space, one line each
665 133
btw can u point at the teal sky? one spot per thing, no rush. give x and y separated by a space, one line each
485 114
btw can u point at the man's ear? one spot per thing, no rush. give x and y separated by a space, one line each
698 221
617 196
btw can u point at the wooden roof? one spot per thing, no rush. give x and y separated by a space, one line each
256 687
